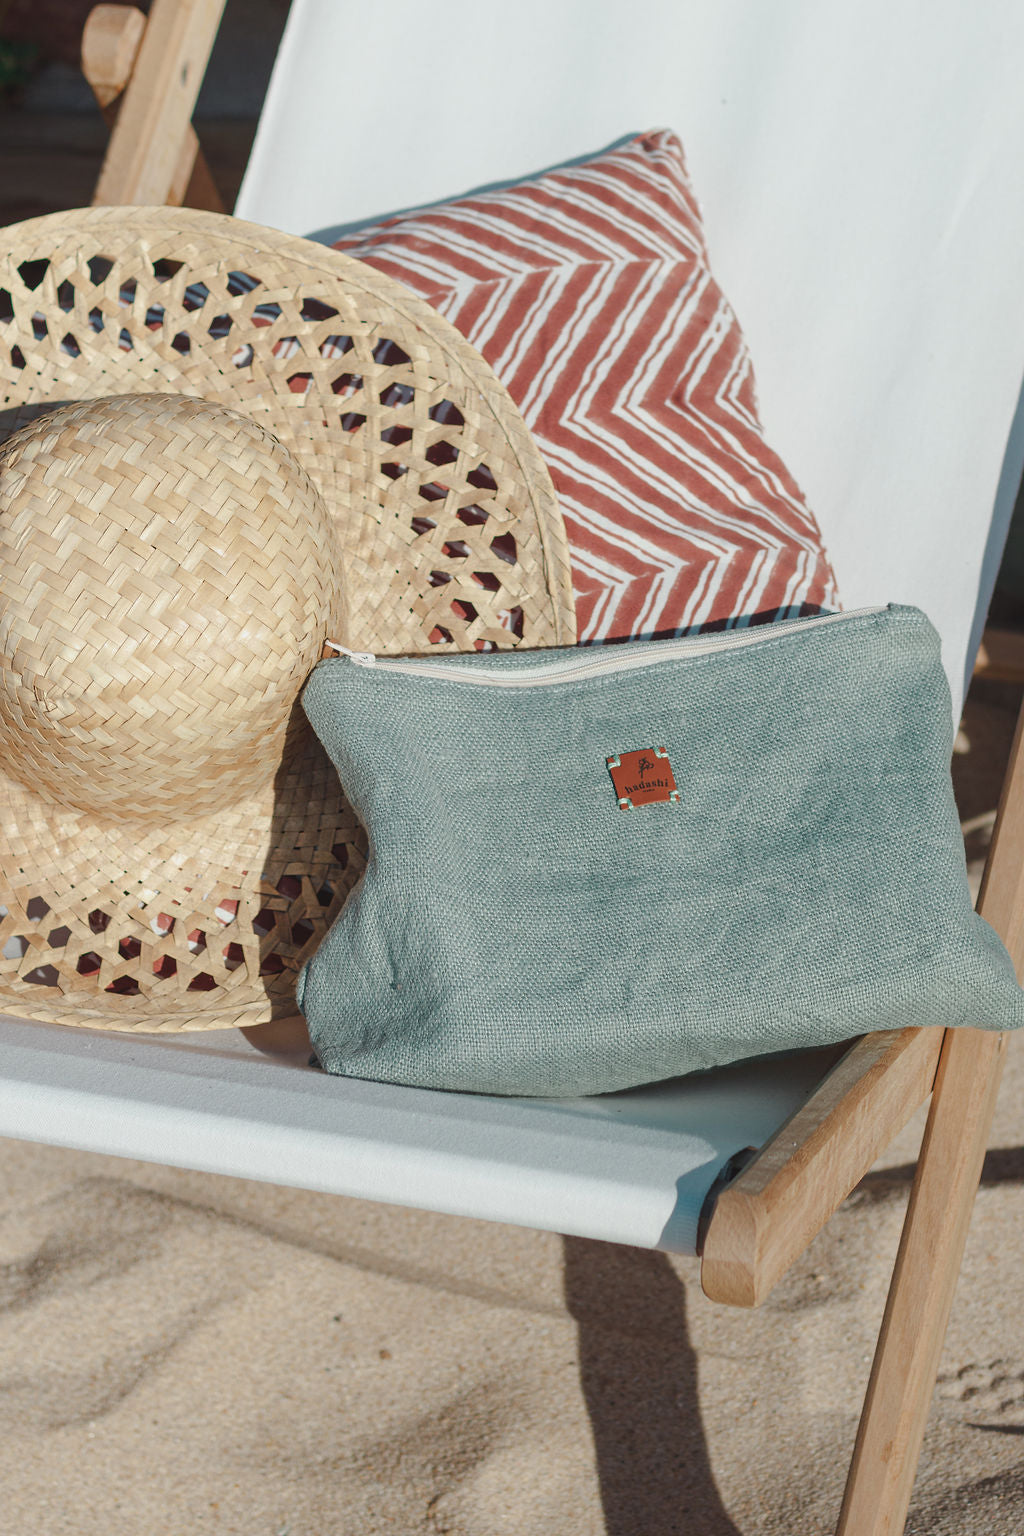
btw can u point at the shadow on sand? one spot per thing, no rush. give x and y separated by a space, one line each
638 1372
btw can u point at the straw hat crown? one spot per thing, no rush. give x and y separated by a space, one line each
168 573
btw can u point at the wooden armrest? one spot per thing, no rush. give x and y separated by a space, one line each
764 1220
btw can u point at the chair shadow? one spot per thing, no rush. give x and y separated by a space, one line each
638 1371
1002 1165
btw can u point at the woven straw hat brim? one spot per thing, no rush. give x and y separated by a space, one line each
195 925
451 538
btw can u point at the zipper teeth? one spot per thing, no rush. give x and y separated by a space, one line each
555 671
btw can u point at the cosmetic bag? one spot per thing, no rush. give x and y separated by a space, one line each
594 868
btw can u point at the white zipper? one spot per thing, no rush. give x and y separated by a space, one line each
590 660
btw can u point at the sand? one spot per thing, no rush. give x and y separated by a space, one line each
183 1353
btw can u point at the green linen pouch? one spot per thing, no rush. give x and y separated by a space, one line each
591 868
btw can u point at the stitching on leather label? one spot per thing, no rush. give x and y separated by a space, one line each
642 778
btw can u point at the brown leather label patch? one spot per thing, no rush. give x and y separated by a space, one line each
641 778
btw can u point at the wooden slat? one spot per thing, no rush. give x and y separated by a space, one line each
153 144
935 1231
766 1218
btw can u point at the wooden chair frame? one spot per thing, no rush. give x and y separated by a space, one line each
146 76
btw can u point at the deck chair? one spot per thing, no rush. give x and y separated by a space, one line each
871 257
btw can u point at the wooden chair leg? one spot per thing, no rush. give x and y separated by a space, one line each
924 1280
935 1231
158 65
110 46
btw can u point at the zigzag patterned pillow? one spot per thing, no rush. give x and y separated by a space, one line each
588 290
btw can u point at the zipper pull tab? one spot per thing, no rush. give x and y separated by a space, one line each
361 658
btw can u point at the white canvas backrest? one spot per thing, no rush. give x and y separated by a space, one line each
858 167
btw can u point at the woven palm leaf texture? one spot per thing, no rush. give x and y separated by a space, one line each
219 446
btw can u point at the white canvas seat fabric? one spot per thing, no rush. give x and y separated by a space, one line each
858 169
628 1167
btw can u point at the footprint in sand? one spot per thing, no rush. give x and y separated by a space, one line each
989 1394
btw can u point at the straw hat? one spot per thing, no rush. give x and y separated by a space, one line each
261 443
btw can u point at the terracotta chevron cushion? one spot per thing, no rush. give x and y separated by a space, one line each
589 292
